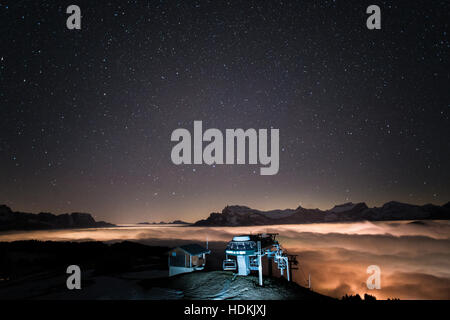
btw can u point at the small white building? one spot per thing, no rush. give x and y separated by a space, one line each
187 258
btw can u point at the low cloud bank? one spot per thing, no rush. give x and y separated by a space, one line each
414 257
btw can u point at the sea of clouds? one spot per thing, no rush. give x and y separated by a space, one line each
414 257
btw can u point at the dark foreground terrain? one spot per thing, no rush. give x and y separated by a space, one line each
223 285
123 270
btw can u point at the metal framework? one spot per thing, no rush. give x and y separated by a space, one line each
248 251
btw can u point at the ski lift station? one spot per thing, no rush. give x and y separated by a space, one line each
244 254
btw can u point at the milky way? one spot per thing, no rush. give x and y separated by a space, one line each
86 115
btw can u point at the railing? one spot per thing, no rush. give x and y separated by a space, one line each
229 264
241 245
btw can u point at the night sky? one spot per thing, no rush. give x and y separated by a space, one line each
86 115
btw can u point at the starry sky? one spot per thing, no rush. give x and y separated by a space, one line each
86 115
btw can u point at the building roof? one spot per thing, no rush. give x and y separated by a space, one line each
194 249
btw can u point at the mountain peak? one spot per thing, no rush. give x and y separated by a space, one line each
5 209
348 206
29 221
237 215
